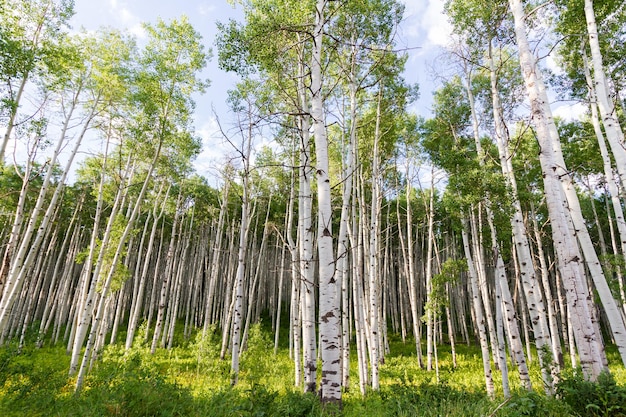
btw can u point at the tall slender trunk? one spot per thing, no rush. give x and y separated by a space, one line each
97 319
478 311
137 301
168 275
329 327
28 248
610 121
550 156
373 264
608 173
13 115
343 246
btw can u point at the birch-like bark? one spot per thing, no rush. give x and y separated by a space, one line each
87 295
608 172
412 282
214 268
506 311
28 249
55 273
295 311
238 291
11 122
478 254
373 255
18 220
608 113
504 371
429 277
478 311
253 285
545 281
306 236
535 302
343 246
97 319
566 247
330 316
168 275
137 301
355 233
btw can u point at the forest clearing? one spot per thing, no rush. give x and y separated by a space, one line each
347 255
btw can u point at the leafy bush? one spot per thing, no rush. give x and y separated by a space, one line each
524 403
586 398
256 358
134 387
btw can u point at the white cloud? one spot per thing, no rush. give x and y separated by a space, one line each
138 30
553 65
426 25
206 9
436 24
125 15
413 9
121 12
570 111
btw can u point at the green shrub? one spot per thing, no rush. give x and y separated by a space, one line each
133 387
524 403
586 398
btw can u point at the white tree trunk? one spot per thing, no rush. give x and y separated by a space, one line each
478 311
614 132
530 284
566 247
329 302
306 236
138 301
430 340
608 171
28 249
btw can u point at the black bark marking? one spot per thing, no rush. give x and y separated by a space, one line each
326 316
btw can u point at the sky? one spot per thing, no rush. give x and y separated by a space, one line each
424 30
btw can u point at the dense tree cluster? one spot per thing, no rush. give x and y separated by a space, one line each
491 221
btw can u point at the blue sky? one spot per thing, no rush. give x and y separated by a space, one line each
424 28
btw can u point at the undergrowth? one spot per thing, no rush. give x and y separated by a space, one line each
192 380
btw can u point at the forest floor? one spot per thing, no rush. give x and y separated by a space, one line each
191 380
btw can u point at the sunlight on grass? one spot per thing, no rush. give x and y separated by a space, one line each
191 380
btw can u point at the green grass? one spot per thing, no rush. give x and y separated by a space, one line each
191 380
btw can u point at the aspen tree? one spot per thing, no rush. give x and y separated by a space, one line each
608 113
478 310
430 337
215 264
374 254
569 258
329 327
135 309
608 171
34 49
27 249
169 276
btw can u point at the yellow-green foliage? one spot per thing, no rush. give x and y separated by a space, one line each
191 380
121 272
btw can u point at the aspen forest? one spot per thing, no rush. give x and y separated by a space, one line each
347 252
